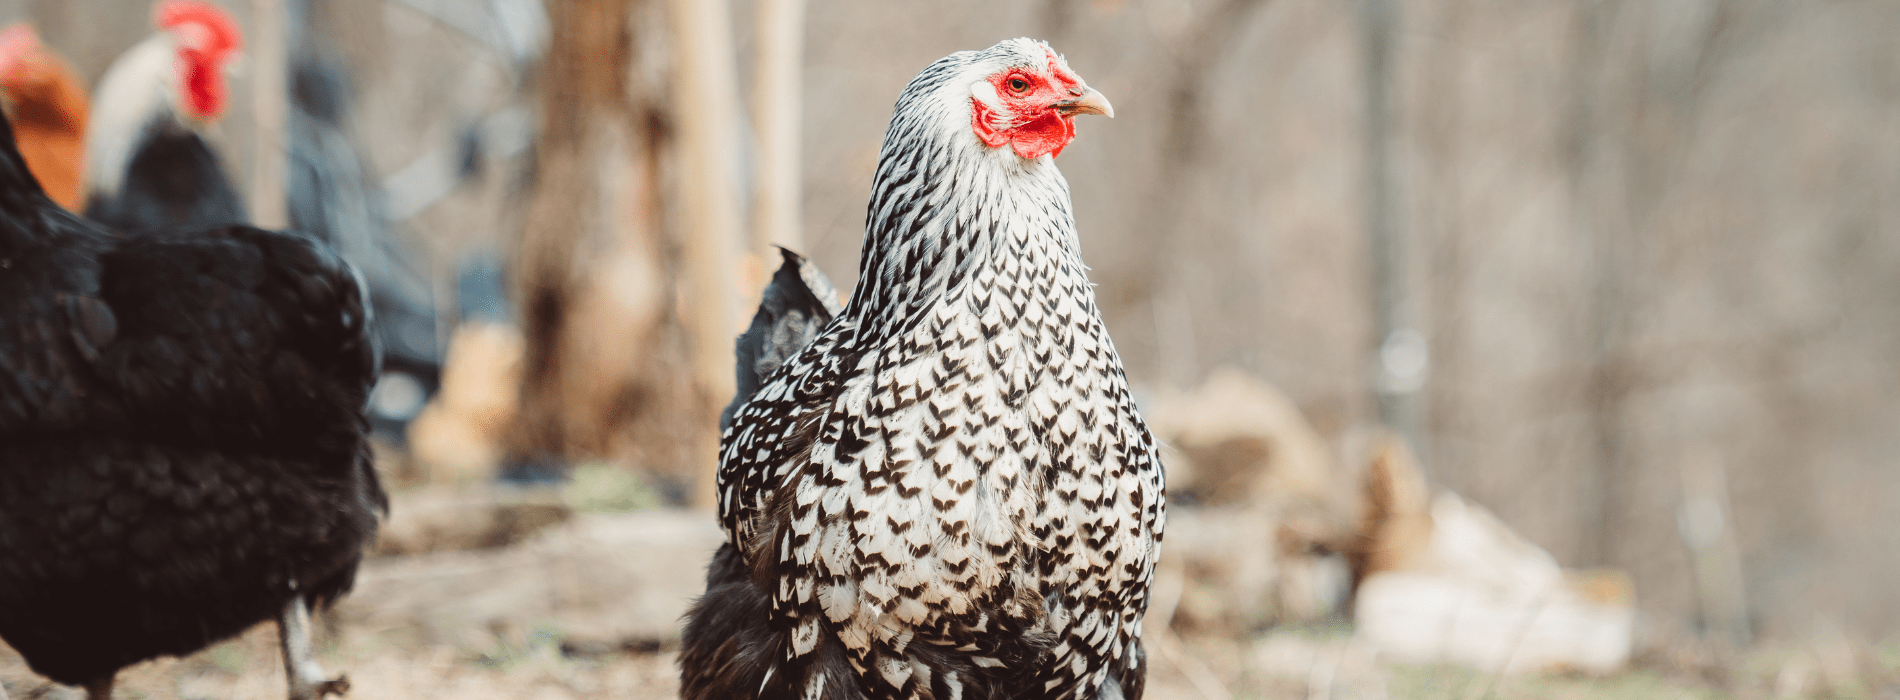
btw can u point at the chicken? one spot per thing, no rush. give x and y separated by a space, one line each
152 168
948 492
333 197
148 164
47 101
182 440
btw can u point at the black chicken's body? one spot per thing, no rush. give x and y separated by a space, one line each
947 493
182 443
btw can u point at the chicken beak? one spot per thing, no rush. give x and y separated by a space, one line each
1089 102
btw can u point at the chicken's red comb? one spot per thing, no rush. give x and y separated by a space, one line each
224 34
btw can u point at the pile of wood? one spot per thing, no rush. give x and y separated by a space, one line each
1266 527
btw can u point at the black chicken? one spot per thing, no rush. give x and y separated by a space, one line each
182 440
947 493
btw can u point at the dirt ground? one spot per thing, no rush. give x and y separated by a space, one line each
1308 664
509 639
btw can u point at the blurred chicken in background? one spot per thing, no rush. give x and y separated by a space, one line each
46 99
334 198
149 165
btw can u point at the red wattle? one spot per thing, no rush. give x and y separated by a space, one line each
1043 135
204 86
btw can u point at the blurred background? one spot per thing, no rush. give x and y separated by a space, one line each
1610 271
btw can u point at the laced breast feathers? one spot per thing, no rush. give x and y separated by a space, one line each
954 465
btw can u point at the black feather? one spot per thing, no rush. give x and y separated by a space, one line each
723 649
797 302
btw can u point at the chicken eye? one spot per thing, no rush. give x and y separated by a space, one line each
1018 84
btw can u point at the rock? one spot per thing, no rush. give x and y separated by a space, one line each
596 580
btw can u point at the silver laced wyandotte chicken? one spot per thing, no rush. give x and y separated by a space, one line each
182 443
947 493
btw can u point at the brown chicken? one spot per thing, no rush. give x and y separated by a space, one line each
48 104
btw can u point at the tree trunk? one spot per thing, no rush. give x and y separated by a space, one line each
600 373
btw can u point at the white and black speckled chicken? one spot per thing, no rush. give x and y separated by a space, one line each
948 493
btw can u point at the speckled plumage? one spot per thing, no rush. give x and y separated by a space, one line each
948 493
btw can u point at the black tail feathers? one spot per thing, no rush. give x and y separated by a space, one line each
796 304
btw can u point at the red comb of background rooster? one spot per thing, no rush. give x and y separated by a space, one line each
207 36
221 36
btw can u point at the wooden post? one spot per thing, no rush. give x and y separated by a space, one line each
706 96
705 88
1401 359
270 111
775 94
1705 524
